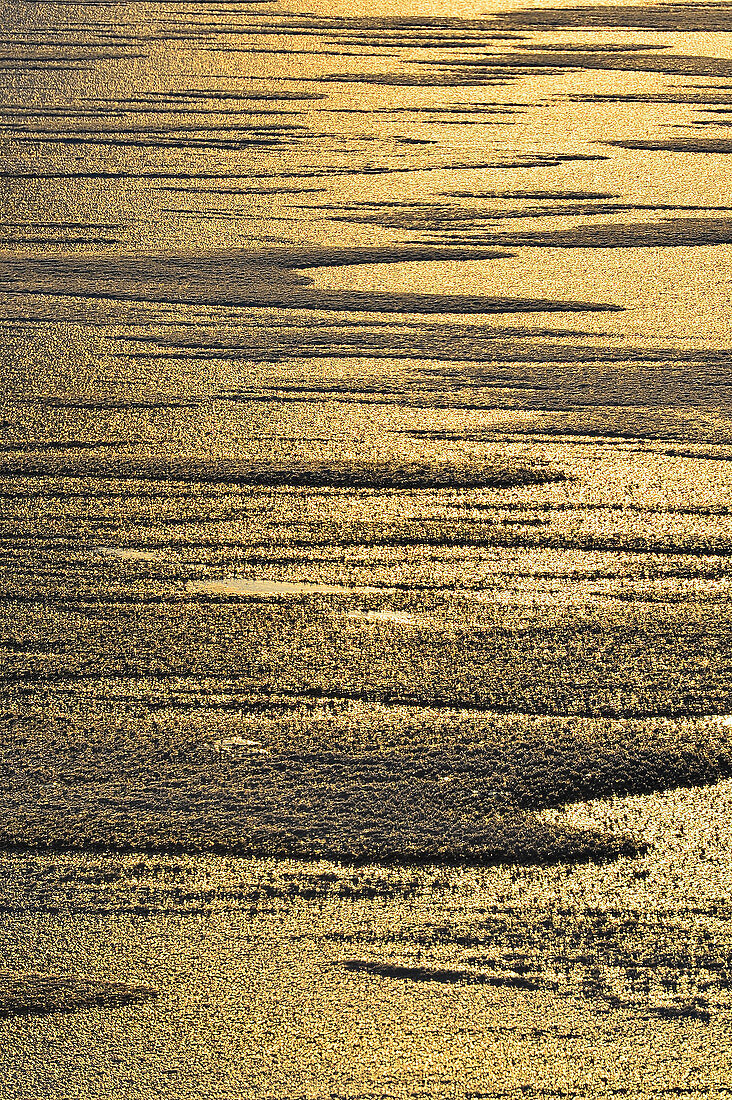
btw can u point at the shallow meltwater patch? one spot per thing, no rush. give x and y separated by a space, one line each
269 278
308 474
41 994
246 586
431 974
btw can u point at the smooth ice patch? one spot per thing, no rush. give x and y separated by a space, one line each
401 618
126 553
237 747
242 586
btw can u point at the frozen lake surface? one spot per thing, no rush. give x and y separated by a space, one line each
366 397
